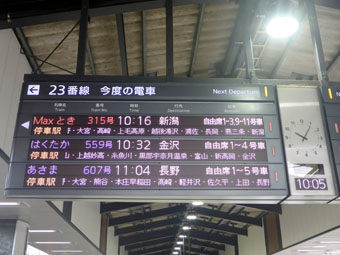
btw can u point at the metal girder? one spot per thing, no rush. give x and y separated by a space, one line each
152 250
317 43
268 208
81 56
97 9
27 49
208 245
284 52
67 210
333 62
150 243
166 252
196 38
144 49
148 236
4 156
148 215
141 227
111 207
90 56
169 38
230 217
222 228
122 43
213 237
199 251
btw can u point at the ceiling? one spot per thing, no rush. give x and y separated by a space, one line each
155 228
206 35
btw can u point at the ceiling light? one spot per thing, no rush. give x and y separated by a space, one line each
330 242
9 203
182 236
65 251
175 252
310 250
282 27
318 246
186 228
177 248
191 217
180 242
197 203
53 242
41 231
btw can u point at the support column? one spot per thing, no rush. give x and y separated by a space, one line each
13 236
272 233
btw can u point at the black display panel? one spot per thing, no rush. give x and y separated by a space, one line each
151 140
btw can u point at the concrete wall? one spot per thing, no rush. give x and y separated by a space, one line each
13 66
86 216
299 222
254 243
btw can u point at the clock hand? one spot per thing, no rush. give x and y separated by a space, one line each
307 130
303 137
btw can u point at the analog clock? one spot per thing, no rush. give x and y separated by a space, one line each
310 168
304 136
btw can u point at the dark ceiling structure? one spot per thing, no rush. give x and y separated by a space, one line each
150 229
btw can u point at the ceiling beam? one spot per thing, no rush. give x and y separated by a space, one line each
267 208
90 56
67 12
144 47
196 38
213 237
152 250
141 227
333 62
220 227
122 43
152 243
208 245
148 215
81 56
126 240
111 207
199 251
230 217
19 33
169 25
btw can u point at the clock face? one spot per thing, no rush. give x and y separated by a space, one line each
310 169
304 137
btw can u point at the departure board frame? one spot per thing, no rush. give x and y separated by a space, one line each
230 134
331 104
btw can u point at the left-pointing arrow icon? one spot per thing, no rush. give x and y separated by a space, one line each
26 124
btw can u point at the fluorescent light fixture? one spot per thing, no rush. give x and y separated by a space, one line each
177 248
182 236
197 203
65 251
319 246
191 217
282 27
42 231
175 252
330 242
53 242
310 250
9 203
180 242
186 228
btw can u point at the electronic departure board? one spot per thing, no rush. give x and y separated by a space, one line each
148 141
331 98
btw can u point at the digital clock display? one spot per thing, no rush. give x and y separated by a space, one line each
311 184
